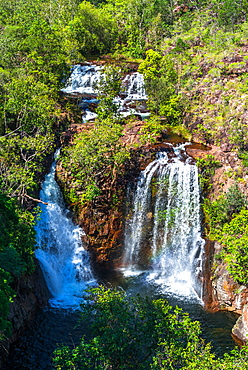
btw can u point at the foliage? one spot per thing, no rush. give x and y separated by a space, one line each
243 155
94 154
234 237
17 241
182 131
6 295
91 31
161 84
21 162
29 106
227 221
207 168
109 87
220 211
140 333
229 13
152 128
17 236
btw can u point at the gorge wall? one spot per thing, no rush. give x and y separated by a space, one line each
221 291
103 218
31 295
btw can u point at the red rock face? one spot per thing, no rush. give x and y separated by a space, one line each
221 292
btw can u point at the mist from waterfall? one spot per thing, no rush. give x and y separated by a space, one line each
163 228
62 256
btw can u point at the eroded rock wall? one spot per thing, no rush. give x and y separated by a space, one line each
221 292
103 218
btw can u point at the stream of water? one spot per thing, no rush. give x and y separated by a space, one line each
165 226
83 83
63 259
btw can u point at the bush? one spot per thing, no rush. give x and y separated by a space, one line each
94 154
221 210
234 237
207 167
140 333
16 252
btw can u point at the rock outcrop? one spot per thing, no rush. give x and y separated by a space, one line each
103 218
31 295
240 329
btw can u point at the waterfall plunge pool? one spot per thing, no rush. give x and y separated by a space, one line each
53 327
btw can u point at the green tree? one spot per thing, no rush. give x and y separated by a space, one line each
109 87
17 240
234 238
94 156
92 30
161 81
229 13
21 163
140 333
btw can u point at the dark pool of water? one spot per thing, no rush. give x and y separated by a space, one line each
53 327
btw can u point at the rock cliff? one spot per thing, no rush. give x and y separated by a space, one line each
102 219
221 291
31 295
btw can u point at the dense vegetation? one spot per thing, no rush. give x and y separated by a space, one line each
194 56
32 65
140 333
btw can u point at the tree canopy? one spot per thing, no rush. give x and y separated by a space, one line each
141 333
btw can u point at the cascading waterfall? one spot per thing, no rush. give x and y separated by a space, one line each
163 235
83 81
64 261
135 87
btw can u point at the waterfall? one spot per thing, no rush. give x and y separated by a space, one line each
135 87
64 261
163 229
83 81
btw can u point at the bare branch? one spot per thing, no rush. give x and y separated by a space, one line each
35 200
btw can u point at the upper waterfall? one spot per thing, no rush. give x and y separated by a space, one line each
163 232
84 79
64 261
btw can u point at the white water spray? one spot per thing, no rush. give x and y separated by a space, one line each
64 261
84 79
163 234
135 87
